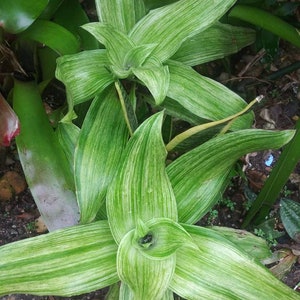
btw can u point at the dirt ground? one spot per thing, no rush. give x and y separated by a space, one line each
249 77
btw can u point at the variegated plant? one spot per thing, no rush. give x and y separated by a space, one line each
137 215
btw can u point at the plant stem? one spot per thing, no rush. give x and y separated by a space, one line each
188 133
122 101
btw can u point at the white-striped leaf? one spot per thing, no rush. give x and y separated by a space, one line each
147 278
170 25
253 245
121 14
127 294
66 262
205 167
84 74
67 134
160 237
205 97
217 41
134 58
102 138
218 270
141 188
116 42
156 78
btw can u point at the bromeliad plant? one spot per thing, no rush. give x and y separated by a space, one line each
137 215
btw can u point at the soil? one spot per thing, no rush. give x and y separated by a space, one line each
248 77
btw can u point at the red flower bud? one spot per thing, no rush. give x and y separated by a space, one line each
9 123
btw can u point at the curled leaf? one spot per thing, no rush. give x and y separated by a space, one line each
147 278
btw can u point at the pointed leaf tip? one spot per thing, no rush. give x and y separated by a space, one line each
141 189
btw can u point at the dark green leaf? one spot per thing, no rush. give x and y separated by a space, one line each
16 16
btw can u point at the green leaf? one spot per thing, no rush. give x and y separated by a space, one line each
253 245
127 294
268 21
170 25
156 78
53 35
67 134
218 270
205 97
290 217
76 17
84 74
101 142
150 4
141 188
122 15
215 42
204 168
44 163
147 278
116 42
160 237
121 52
275 182
16 16
67 262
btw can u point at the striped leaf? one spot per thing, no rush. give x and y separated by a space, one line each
170 25
160 237
203 169
204 97
127 294
67 134
218 270
253 245
67 262
102 138
141 188
116 42
156 78
147 278
84 74
121 14
290 217
217 41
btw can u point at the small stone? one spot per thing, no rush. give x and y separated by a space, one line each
6 192
16 181
40 226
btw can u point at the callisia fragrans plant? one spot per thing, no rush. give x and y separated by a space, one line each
136 231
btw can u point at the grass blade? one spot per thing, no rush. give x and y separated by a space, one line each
275 182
